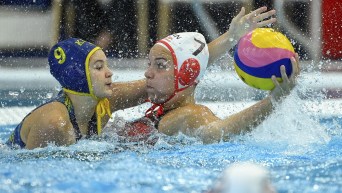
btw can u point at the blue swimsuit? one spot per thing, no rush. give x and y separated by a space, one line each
15 139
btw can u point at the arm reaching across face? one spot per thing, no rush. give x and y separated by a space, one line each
240 25
128 94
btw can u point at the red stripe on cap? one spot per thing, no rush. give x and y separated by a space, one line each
175 61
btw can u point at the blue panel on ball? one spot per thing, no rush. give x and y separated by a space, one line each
265 71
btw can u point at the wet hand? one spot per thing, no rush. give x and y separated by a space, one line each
284 87
242 24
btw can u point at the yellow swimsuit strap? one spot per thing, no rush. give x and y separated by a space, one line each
102 108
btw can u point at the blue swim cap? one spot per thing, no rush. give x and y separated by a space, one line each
69 64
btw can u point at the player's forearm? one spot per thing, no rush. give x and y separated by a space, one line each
220 46
239 123
128 94
252 116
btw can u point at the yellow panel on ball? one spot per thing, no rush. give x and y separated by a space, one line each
259 83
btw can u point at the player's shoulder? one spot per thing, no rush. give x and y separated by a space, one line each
197 113
197 109
50 111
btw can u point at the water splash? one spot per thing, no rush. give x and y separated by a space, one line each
290 125
13 93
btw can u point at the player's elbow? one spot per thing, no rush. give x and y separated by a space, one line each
210 134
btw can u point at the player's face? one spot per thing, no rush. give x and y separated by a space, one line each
160 75
100 74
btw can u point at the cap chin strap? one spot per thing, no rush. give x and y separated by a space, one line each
102 108
158 108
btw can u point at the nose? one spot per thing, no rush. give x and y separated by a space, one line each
149 72
109 73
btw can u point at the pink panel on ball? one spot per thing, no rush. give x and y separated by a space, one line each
253 56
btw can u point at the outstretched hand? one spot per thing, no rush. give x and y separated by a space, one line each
242 24
284 87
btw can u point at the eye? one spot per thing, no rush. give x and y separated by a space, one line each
98 67
162 64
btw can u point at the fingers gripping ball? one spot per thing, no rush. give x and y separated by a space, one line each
259 55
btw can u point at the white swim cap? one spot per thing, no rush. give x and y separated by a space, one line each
190 55
244 178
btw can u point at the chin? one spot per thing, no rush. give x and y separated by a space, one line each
152 98
157 100
108 93
105 94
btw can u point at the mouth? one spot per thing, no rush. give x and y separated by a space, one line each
149 87
108 84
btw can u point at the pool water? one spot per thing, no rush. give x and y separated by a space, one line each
92 166
301 148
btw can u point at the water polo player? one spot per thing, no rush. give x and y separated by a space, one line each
181 60
177 64
88 97
81 69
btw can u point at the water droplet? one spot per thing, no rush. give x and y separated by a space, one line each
115 77
49 95
13 93
58 88
62 123
22 90
315 187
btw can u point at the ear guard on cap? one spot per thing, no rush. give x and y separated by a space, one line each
188 72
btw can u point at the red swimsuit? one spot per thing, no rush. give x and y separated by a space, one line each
143 129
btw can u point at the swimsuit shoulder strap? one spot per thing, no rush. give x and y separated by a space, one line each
65 100
92 125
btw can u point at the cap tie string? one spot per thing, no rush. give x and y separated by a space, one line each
102 108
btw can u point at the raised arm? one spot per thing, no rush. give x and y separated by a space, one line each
240 25
129 94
